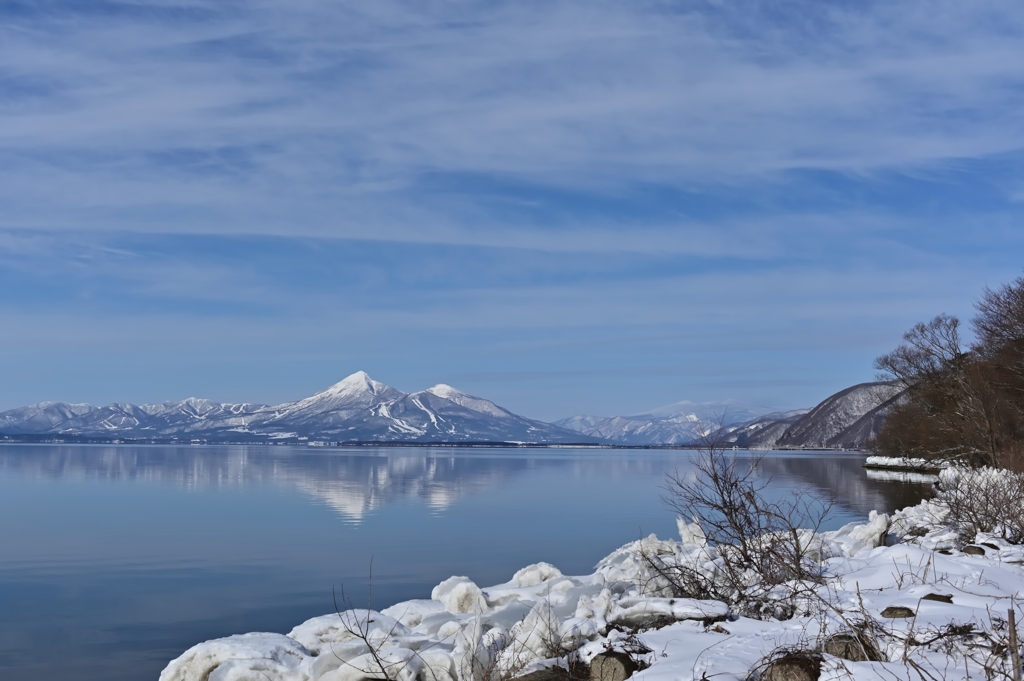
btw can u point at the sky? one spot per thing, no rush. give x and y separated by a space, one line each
579 206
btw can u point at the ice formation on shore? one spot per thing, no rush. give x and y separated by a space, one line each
949 599
903 463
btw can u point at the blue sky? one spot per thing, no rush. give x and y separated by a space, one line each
566 207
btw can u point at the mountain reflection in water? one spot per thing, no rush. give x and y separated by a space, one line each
355 482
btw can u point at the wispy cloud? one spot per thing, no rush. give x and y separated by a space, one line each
317 117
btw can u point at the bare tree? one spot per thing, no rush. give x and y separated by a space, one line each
955 410
930 352
1000 319
963 404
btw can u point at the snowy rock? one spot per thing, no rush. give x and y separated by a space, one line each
321 633
389 663
535 574
411 613
459 595
226 659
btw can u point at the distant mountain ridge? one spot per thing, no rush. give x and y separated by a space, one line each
356 409
681 423
360 409
849 419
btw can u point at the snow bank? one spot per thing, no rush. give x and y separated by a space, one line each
929 602
903 463
226 658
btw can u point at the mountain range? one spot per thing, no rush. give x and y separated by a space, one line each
356 409
849 419
681 423
360 409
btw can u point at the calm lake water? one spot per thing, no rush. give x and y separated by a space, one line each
115 559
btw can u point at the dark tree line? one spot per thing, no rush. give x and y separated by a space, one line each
963 402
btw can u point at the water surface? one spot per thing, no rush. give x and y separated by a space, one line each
115 559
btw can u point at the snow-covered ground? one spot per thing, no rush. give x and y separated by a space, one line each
934 607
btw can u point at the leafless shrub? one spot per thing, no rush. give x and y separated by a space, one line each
763 543
984 500
378 662
991 646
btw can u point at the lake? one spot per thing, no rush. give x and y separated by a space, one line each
115 559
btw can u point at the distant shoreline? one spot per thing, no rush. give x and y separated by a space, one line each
73 440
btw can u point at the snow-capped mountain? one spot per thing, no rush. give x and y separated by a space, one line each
40 418
680 423
356 409
762 432
848 419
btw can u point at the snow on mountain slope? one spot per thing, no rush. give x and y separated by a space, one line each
145 420
357 408
468 401
580 422
428 416
866 428
682 429
42 417
763 432
849 419
675 424
347 398
824 425
711 412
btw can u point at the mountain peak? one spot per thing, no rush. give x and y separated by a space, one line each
445 391
359 382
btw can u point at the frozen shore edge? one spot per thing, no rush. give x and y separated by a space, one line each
890 463
898 563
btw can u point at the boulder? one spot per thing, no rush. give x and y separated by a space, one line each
851 647
795 666
898 611
612 666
